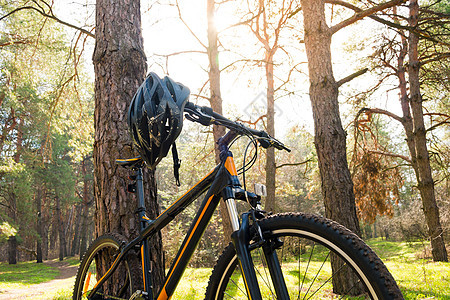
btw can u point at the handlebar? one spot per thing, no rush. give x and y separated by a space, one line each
206 116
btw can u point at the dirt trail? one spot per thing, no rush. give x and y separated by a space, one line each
45 290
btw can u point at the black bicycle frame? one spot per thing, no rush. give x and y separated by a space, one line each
219 183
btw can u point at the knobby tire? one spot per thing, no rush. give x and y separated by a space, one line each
304 246
96 261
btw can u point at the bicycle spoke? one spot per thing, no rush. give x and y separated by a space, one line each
348 291
299 268
307 261
236 284
315 277
229 296
306 270
266 277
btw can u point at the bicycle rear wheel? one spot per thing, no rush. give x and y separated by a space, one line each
303 246
96 261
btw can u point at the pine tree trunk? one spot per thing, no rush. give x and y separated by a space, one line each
330 137
68 230
12 250
120 67
422 159
12 213
216 104
76 229
53 234
45 224
39 225
60 227
84 214
270 152
84 228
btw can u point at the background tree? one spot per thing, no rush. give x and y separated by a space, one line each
330 137
267 21
215 100
41 121
404 56
377 177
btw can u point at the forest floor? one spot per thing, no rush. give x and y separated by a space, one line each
45 290
416 274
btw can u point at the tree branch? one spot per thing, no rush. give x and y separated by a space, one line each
447 121
51 16
386 22
4 205
181 52
293 164
299 9
364 13
351 77
391 155
379 111
435 58
187 26
244 22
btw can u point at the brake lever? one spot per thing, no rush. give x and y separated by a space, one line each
272 142
281 146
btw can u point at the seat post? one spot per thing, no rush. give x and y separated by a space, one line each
140 197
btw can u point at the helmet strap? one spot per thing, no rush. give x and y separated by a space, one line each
176 164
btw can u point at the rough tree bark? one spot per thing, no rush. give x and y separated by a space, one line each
421 160
120 67
84 211
270 152
75 247
60 226
330 137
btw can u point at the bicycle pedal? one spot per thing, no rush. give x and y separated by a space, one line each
139 295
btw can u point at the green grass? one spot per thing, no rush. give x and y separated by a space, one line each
63 294
72 261
24 274
417 278
193 284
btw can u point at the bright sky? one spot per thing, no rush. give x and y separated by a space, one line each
164 34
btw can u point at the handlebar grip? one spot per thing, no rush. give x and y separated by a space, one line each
205 114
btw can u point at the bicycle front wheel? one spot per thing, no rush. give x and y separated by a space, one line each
305 257
96 261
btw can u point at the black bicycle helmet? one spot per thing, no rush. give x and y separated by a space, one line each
155 117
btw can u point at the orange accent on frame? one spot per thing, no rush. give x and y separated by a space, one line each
106 272
143 269
86 284
163 294
245 281
230 166
187 191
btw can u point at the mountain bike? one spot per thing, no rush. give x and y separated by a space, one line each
272 256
